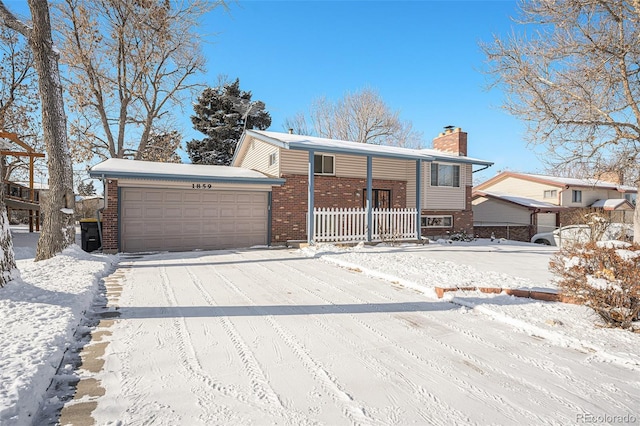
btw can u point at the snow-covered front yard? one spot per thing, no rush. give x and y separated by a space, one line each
323 335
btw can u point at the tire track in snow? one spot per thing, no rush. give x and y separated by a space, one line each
130 385
212 411
379 369
514 413
444 413
568 380
350 408
567 404
259 381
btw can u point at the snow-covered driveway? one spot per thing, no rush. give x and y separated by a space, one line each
273 337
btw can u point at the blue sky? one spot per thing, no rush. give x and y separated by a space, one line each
422 57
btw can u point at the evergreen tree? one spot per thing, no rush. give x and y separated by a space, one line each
86 188
222 114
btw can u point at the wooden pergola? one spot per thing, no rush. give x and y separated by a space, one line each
32 154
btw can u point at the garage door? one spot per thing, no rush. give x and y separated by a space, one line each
546 222
179 220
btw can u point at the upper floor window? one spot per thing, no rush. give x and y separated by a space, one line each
550 193
445 175
324 164
576 196
273 158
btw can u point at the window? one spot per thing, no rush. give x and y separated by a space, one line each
323 164
550 193
576 196
273 158
631 198
436 221
445 175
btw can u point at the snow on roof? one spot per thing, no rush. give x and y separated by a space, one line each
596 183
302 142
117 167
523 201
613 204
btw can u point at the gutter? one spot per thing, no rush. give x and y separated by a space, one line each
187 178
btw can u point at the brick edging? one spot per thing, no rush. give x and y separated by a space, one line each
530 294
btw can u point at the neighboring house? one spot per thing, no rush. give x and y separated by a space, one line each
524 204
87 206
264 197
332 174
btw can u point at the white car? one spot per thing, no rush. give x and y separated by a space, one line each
582 234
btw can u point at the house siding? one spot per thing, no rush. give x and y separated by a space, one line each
256 157
525 188
488 212
439 197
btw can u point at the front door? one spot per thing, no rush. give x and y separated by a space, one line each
381 198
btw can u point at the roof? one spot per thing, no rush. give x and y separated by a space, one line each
521 201
313 143
613 204
120 168
559 181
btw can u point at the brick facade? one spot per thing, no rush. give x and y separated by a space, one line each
289 202
516 233
110 218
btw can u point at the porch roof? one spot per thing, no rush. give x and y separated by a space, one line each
312 143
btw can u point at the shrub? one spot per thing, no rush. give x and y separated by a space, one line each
604 276
461 236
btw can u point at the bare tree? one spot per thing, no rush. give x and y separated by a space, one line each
162 147
19 107
360 117
130 63
58 231
574 79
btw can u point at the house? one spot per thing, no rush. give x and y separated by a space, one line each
519 205
88 206
356 192
332 174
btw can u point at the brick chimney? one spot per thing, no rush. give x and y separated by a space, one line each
452 140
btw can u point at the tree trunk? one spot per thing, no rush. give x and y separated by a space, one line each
8 269
58 230
636 219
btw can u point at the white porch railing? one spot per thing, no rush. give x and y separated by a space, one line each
335 225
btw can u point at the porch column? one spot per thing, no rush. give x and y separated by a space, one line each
418 198
310 201
369 196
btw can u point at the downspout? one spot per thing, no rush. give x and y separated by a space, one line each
533 223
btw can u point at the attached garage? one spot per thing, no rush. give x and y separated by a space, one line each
181 207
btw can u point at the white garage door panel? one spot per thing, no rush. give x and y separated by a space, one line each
174 219
546 222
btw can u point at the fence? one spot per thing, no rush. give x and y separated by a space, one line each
335 225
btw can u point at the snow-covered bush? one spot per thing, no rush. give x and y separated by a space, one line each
461 236
604 276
